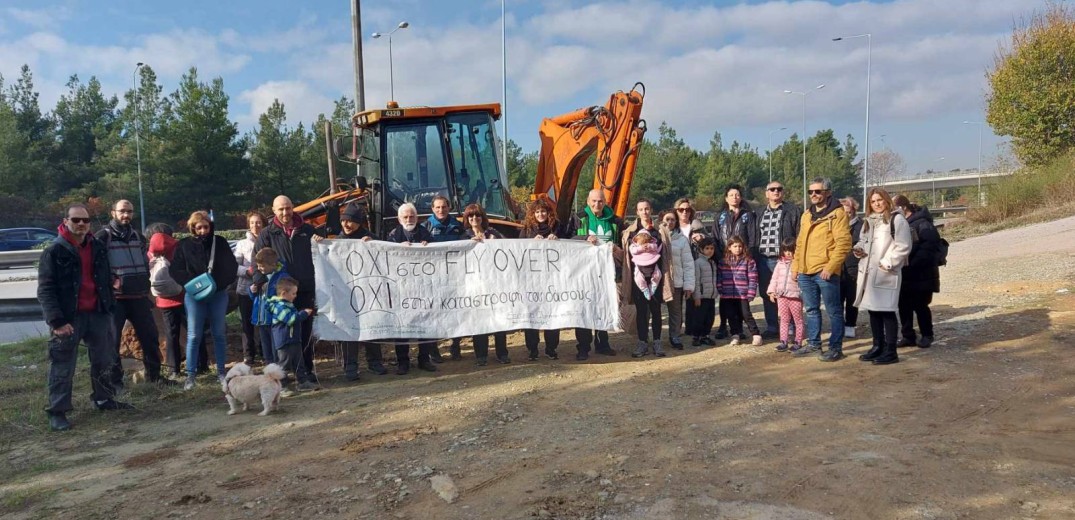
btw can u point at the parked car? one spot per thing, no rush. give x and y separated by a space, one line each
22 239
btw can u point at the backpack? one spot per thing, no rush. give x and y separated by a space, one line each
161 283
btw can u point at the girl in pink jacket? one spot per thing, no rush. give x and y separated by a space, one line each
784 290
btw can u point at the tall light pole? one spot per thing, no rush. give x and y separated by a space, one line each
771 151
360 79
869 58
391 70
803 94
137 140
980 126
940 160
504 74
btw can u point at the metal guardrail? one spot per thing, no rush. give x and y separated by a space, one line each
19 258
21 309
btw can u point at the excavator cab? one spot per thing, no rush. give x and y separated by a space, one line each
414 154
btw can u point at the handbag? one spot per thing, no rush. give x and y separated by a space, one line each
203 285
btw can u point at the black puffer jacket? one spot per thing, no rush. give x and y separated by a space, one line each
192 259
851 264
921 272
59 275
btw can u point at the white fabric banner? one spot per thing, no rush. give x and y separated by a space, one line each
380 290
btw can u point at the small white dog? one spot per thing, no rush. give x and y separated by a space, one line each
241 387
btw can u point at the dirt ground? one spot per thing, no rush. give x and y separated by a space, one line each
980 426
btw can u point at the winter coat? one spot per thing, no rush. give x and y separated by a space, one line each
696 227
192 259
244 256
921 273
879 290
295 251
824 240
400 235
445 231
706 274
562 230
59 279
285 320
784 283
161 251
259 312
488 233
680 259
790 215
729 224
628 266
738 278
851 263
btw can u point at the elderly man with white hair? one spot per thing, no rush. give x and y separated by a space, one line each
408 232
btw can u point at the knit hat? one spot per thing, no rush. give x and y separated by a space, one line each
354 212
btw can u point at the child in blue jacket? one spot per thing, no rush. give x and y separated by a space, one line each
263 287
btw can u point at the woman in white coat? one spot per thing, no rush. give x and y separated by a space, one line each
885 243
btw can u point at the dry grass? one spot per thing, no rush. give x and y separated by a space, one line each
1030 189
965 228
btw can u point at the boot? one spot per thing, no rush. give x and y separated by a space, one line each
434 355
873 353
58 422
641 350
888 355
350 371
835 353
454 350
657 349
378 368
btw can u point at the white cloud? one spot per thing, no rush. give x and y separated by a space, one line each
301 102
45 18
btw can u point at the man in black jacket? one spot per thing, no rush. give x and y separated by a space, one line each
291 237
74 286
130 267
777 221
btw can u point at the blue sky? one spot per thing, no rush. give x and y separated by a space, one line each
707 66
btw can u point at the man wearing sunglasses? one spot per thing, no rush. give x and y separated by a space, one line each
777 221
823 243
74 286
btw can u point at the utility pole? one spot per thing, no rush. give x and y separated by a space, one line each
360 84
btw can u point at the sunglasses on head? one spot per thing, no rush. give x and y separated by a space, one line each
776 189
817 192
79 220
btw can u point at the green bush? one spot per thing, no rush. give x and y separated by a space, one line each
1030 188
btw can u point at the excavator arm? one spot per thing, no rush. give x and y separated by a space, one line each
614 131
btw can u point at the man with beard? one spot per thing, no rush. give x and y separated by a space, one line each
130 267
408 232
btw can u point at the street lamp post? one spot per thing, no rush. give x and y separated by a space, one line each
803 94
771 151
869 58
391 70
980 125
940 160
504 75
137 140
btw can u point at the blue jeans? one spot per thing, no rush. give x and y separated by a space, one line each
815 291
214 309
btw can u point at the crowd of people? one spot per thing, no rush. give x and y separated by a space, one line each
884 262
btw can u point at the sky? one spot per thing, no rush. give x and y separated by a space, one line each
707 66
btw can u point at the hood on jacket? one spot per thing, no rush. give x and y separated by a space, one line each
832 206
920 213
66 234
296 221
161 244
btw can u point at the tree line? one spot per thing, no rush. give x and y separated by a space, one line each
193 156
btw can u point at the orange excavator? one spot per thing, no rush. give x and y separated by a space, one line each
614 131
413 154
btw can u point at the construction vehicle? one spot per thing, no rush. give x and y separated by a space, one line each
413 154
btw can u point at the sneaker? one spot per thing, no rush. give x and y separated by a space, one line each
287 392
706 340
794 347
906 342
925 341
697 342
351 376
503 360
481 361
782 346
189 384
606 352
756 340
721 334
220 378
533 356
582 356
806 350
378 368
676 343
849 332
734 341
551 354
308 386
641 350
165 382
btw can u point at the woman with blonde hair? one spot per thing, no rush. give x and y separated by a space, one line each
204 252
882 250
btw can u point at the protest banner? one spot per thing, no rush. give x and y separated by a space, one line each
380 290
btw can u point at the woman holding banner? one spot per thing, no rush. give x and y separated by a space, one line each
478 229
541 224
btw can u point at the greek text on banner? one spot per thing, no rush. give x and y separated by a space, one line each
380 290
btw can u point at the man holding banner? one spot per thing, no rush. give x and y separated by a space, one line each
597 224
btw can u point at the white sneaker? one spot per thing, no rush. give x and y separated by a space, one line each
734 341
849 332
756 340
